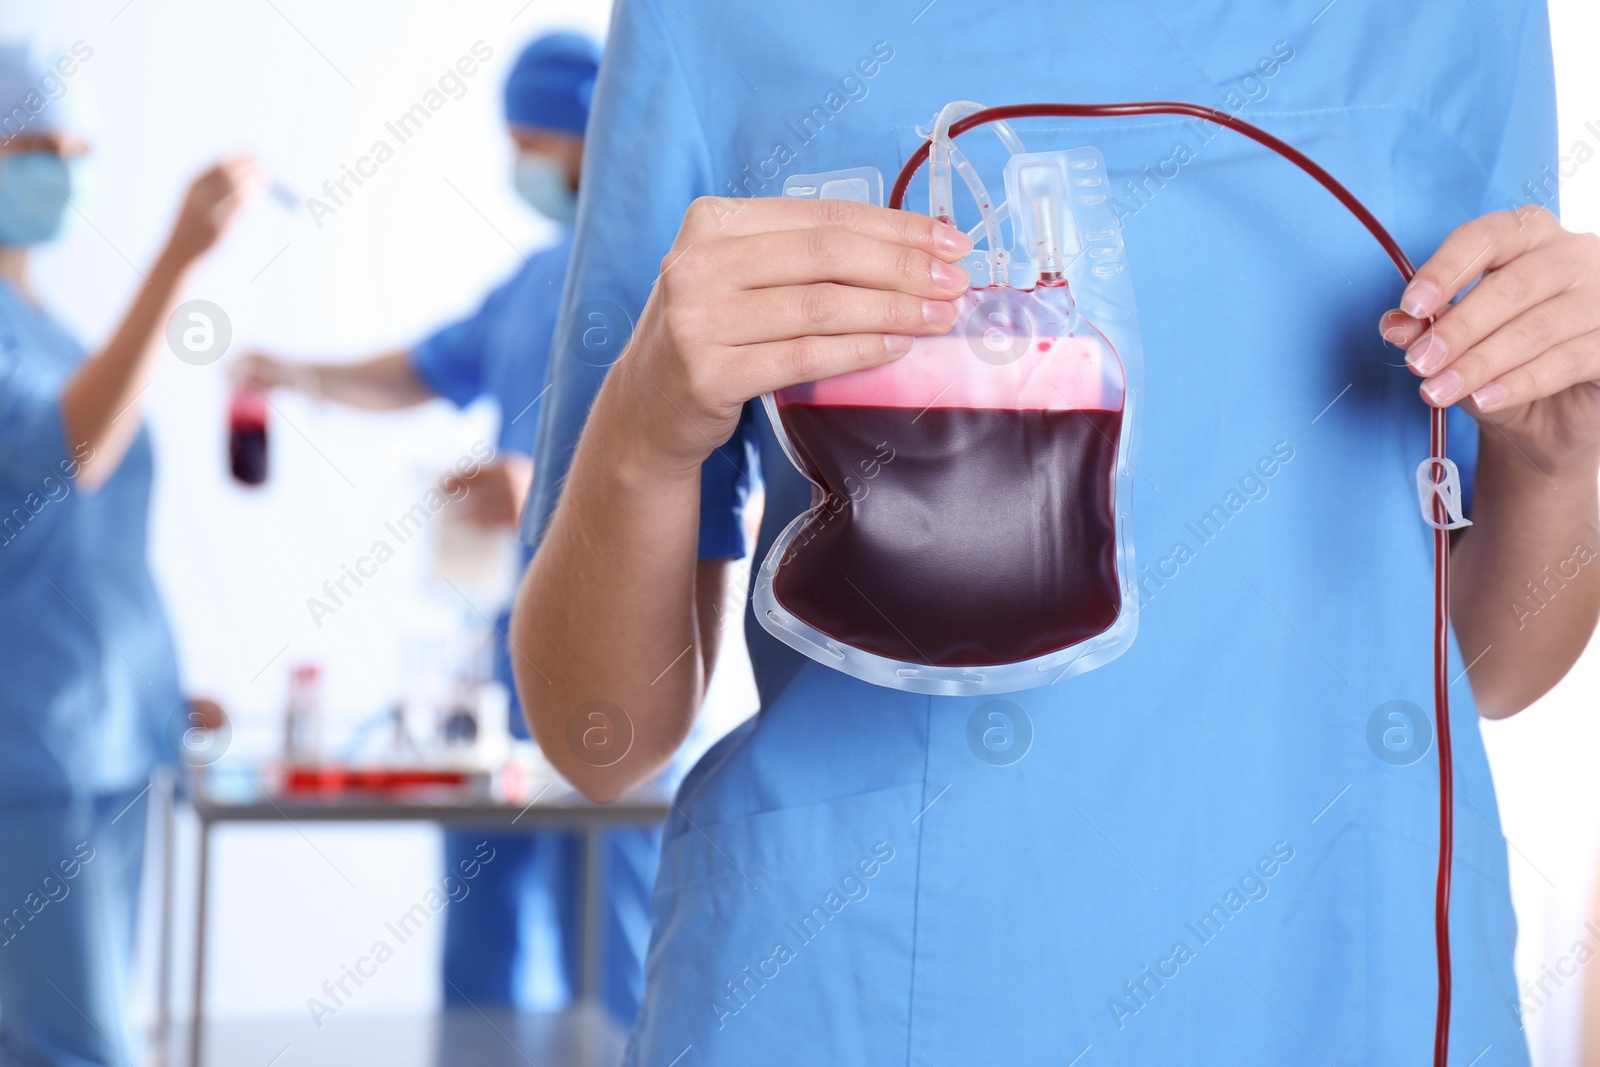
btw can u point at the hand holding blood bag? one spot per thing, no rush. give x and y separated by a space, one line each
970 499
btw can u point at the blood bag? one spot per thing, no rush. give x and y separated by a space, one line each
247 437
969 527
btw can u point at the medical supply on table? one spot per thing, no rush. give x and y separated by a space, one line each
302 715
966 501
247 436
335 779
449 714
471 725
470 722
455 736
459 743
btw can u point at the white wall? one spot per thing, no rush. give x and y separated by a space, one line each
175 82
1545 759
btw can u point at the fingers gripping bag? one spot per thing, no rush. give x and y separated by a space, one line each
969 528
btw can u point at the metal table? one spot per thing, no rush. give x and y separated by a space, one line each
556 807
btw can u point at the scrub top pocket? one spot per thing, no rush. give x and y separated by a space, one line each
801 912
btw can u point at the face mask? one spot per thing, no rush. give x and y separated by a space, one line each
35 190
542 182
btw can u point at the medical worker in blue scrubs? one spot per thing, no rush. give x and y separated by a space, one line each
513 940
1207 851
89 684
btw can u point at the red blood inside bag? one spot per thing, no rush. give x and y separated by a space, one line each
964 511
247 437
989 537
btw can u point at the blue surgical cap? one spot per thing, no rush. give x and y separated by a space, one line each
35 93
552 83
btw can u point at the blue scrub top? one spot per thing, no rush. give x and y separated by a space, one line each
90 675
503 349
1204 851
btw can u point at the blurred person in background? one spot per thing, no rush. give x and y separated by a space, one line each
514 940
91 691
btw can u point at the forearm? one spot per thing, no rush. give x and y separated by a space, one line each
383 383
1526 575
101 406
607 611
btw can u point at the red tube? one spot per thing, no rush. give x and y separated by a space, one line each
1441 537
